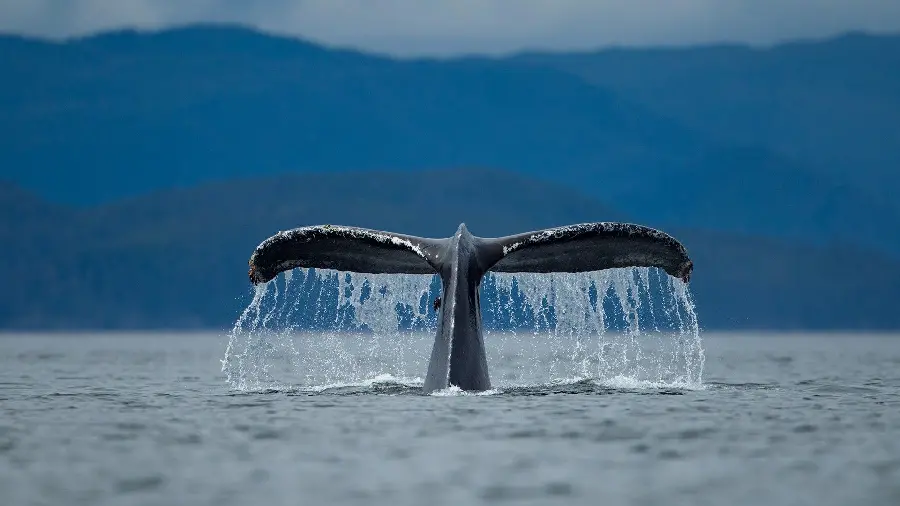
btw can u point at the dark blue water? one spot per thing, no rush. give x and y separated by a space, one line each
150 419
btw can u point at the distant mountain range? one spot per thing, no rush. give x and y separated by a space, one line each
797 142
831 106
140 169
178 258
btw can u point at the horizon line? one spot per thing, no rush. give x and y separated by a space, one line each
521 51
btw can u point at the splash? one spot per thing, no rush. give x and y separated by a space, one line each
310 330
636 323
307 329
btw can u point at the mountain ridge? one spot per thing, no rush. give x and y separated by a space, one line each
202 104
837 36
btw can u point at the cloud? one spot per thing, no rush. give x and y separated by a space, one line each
413 27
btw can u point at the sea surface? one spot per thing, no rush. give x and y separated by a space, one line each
780 419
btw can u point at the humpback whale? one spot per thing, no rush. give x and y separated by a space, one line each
458 357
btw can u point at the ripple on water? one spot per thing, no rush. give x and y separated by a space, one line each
268 433
718 385
7 443
691 433
617 433
139 484
843 389
501 493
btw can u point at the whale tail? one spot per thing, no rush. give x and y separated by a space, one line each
458 356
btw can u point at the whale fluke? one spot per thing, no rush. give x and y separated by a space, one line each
458 357
345 249
590 247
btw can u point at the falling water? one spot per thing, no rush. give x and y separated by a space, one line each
312 329
620 327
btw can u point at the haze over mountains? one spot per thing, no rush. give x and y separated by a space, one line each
777 167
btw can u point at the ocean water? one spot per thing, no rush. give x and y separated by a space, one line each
102 419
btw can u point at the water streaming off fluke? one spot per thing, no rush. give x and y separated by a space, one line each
307 329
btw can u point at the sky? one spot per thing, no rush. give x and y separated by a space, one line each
452 27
